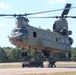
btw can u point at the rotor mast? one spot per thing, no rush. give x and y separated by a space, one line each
21 21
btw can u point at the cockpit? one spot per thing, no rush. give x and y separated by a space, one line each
19 30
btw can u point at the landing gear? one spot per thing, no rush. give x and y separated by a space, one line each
51 62
46 53
24 54
26 63
69 55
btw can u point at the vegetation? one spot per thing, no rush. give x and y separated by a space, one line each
8 54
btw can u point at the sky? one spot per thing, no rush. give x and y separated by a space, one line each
31 6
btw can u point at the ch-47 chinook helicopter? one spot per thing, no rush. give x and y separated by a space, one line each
29 37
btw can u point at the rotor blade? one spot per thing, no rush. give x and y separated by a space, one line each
70 17
73 16
54 17
14 15
6 15
66 11
46 17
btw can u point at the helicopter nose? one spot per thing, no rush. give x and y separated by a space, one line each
12 39
15 38
19 39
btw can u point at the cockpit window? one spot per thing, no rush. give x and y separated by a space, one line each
14 31
19 30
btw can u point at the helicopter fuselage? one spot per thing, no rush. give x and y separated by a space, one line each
40 39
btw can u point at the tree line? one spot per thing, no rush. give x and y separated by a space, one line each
9 54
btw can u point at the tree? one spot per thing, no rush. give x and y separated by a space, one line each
9 54
13 54
35 56
3 56
74 54
59 56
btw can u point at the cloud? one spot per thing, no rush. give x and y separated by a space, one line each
2 25
56 1
4 6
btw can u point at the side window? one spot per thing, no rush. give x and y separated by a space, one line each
26 32
34 34
56 39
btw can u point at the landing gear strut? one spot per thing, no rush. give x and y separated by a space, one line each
46 53
24 54
28 64
51 62
69 55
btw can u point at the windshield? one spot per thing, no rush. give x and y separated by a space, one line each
15 31
21 30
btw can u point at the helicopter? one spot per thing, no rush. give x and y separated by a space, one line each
27 37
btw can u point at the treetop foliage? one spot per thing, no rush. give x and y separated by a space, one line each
9 54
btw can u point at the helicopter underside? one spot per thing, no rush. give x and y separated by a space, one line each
25 45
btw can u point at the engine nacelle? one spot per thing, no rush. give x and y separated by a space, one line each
64 31
60 24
